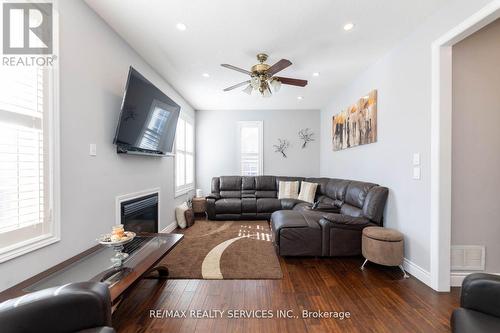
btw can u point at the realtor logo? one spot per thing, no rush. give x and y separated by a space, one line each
27 28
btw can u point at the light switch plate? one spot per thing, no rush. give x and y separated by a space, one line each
416 173
416 158
93 149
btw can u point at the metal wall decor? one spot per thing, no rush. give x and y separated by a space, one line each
281 147
306 135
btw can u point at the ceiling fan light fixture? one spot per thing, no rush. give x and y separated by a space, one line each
266 93
255 82
248 90
276 84
262 77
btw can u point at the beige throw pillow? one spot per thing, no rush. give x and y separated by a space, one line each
288 190
179 215
308 191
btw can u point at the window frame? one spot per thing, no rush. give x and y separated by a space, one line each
260 125
183 189
53 151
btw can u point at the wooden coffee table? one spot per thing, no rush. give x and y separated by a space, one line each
94 264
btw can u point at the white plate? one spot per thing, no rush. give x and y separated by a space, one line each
130 235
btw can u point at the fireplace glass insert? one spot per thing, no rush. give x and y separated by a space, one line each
140 214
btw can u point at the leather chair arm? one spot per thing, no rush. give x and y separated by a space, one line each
211 207
341 225
327 208
481 292
344 222
215 196
69 308
289 203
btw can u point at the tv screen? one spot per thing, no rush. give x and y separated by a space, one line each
148 118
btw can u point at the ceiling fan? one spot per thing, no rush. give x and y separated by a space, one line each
262 77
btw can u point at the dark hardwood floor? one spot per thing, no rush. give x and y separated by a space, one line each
378 298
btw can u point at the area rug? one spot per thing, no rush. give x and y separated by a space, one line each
224 250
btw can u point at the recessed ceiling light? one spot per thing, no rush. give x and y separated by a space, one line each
181 26
205 75
300 97
316 74
348 26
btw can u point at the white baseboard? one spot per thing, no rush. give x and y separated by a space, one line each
417 271
169 228
456 278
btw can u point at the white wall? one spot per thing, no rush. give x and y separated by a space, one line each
476 143
403 81
217 151
94 64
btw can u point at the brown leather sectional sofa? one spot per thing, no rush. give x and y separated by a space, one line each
333 229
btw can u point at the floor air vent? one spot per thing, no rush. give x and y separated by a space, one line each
467 257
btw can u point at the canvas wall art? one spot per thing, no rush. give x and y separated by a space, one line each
356 125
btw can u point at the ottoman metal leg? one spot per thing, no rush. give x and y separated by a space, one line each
363 266
406 276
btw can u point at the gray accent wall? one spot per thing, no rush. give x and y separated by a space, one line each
217 142
93 72
476 143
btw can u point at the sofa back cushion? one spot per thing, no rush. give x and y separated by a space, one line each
230 187
374 205
265 187
355 197
336 189
288 190
216 185
230 183
248 187
265 183
356 193
248 183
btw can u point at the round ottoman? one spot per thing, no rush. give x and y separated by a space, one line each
383 246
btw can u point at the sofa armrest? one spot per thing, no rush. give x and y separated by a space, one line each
288 204
481 292
344 222
215 196
211 208
68 308
325 208
342 229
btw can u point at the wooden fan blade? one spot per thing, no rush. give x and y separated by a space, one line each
234 68
292 82
237 85
279 66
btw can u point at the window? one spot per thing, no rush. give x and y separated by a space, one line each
250 148
184 155
27 155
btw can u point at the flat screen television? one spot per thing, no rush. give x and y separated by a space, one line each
148 119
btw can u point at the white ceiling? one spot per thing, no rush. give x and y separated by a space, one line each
307 32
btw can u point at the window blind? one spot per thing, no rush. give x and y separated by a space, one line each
184 155
21 148
250 148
